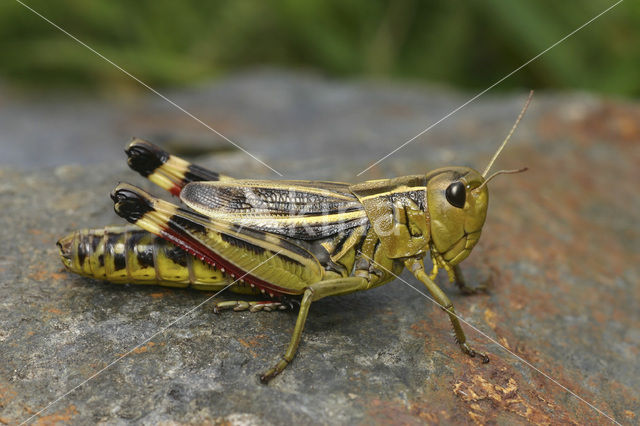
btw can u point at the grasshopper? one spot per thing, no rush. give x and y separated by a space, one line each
284 240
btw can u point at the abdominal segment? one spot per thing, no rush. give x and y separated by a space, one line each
131 255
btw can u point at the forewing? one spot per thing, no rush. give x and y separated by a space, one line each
271 262
297 209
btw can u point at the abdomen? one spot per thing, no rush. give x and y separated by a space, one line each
130 255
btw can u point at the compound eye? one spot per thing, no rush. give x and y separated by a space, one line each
456 194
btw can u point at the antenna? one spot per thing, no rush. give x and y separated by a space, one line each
524 109
502 172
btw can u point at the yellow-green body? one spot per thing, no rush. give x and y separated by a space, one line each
284 238
411 216
399 215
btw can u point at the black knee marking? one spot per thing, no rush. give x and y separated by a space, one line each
129 204
145 157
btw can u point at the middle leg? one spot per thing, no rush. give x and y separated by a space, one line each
314 292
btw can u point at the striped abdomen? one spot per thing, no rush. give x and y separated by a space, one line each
131 255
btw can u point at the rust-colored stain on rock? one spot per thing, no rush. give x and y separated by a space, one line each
58 417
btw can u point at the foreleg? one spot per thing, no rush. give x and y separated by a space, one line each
441 298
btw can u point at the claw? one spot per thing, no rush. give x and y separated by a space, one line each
273 372
472 353
465 289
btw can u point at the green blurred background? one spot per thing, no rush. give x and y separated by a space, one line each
467 44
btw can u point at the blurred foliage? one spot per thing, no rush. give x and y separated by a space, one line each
463 43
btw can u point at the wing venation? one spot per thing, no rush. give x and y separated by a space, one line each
298 209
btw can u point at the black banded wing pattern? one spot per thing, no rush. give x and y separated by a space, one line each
304 210
271 259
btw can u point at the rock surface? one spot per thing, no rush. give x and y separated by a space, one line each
561 250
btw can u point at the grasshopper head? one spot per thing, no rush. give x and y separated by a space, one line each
457 201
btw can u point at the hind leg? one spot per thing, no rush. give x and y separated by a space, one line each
165 170
243 305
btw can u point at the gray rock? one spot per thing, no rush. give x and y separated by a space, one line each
560 247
